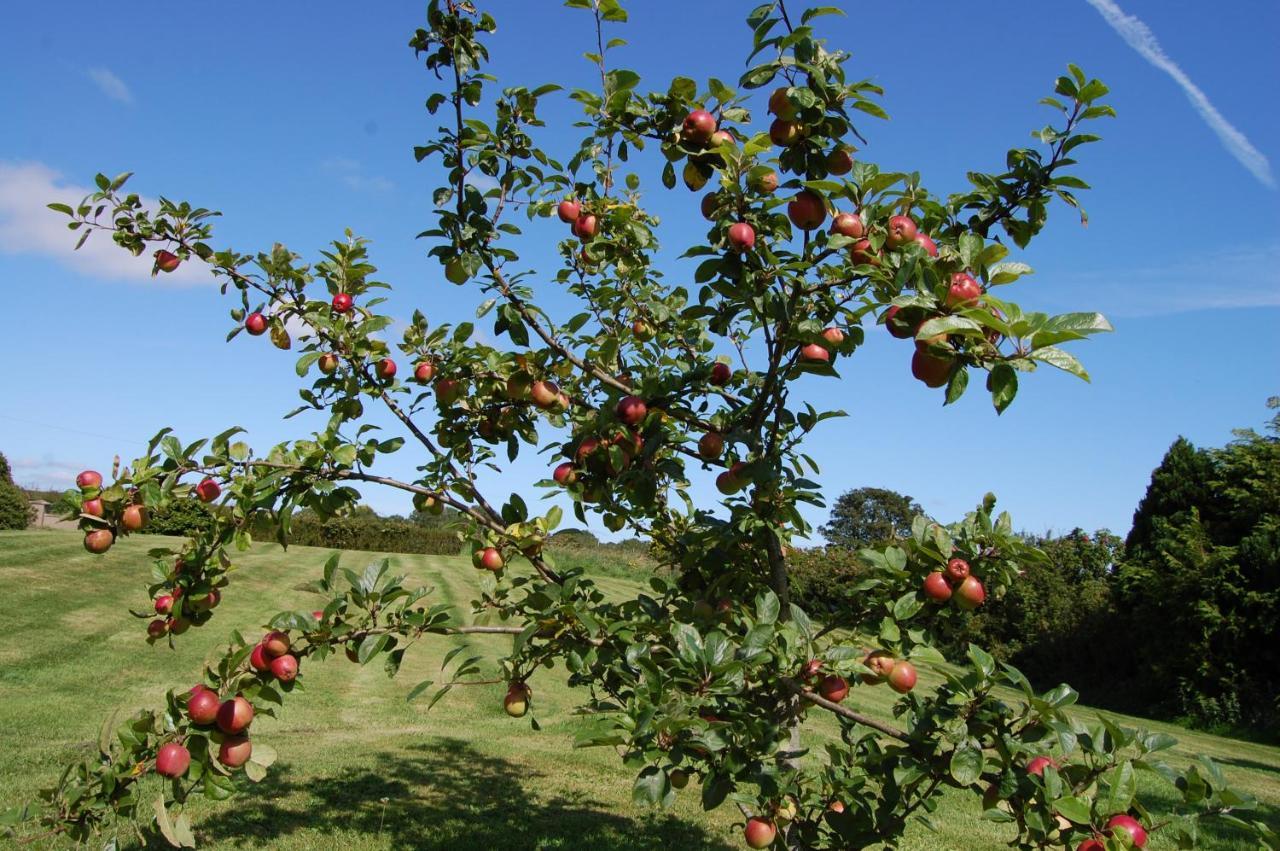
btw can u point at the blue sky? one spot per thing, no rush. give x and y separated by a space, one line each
297 125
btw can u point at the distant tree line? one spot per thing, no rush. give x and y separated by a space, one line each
1180 620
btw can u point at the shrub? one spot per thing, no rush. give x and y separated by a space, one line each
183 517
14 509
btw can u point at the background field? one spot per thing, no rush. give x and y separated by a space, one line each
359 767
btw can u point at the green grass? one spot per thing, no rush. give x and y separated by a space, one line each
359 767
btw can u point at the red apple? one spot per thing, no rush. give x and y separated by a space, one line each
88 480
275 644
568 211
780 105
99 541
585 227
765 183
164 604
132 518
720 373
177 625
848 224
898 323
970 593
341 303
424 371
285 668
565 474
836 806
255 323
807 210
385 369
448 391
92 507
710 203
258 659
957 570
202 706
157 628
631 410
544 394
742 236
814 353
833 335
902 229
698 127
936 587
235 751
730 481
172 760
933 371
784 134
839 161
879 665
208 601
811 669
711 446
1039 764
1130 825
208 490
488 559
235 715
861 254
833 688
1091 845
328 363
167 261
964 291
759 832
923 240
722 137
902 678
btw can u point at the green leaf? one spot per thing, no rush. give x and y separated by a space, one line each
417 690
767 608
966 765
651 786
1003 384
1062 360
1074 808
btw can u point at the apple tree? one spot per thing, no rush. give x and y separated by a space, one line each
712 671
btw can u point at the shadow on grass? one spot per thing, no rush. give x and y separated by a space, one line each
1252 765
446 795
1214 832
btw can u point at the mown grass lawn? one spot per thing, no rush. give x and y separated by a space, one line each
359 767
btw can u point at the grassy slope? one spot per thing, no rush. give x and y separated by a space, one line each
360 768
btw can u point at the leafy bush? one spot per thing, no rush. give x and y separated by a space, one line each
183 517
370 532
822 577
13 502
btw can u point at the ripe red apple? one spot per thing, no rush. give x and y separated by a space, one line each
99 541
720 373
899 324
516 703
784 134
957 570
902 678
902 229
544 394
235 715
164 604
730 481
742 237
208 490
642 330
488 559
88 480
759 832
167 261
258 659
1091 845
848 224
811 669
92 507
698 127
285 668
177 625
833 688
861 254
341 303
275 644
839 161
208 601
235 751
568 211
132 518
255 323
722 137
202 706
385 369
814 353
879 665
710 446
933 371
833 335
836 806
172 760
964 291
970 593
328 363
157 628
923 240
936 587
448 391
765 183
1130 825
807 210
424 371
585 227
780 105
1039 764
631 410
565 474
710 202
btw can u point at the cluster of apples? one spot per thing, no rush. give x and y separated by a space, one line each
593 461
178 610
582 223
231 717
929 364
1121 823
98 538
271 655
881 667
955 580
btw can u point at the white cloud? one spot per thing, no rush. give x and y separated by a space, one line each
28 226
1140 38
111 85
351 174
